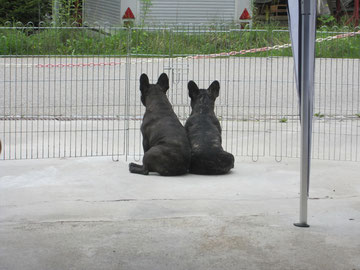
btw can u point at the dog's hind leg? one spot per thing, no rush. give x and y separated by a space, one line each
146 144
136 168
150 157
160 159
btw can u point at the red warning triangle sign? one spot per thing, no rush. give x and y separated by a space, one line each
128 14
245 15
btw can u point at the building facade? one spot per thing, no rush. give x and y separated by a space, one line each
165 11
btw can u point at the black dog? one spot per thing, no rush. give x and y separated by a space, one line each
166 146
204 133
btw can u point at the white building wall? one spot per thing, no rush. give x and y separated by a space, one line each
102 11
187 11
166 11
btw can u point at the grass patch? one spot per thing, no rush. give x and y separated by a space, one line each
319 115
160 42
283 120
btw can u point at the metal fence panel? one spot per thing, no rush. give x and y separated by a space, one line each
75 97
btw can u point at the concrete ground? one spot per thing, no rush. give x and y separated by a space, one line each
91 213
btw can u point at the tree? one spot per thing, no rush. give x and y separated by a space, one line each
24 10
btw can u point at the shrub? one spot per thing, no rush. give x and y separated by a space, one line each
24 10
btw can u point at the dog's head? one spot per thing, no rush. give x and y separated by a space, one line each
203 99
148 89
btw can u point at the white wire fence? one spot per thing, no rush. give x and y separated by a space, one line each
74 91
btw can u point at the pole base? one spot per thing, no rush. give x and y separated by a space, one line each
302 225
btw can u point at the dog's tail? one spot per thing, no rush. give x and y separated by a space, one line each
212 163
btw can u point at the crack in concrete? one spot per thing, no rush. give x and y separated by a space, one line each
182 199
135 219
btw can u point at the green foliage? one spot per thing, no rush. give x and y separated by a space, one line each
55 41
283 120
357 114
346 47
24 11
162 42
326 20
67 11
319 115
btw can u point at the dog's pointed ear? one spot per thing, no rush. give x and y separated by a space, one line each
144 82
193 89
163 81
214 89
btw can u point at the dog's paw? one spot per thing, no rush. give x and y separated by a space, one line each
134 166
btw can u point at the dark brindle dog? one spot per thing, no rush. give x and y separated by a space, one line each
166 146
204 133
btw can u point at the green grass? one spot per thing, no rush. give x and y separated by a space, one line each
160 42
283 120
319 115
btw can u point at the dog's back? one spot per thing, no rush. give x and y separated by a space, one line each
161 124
166 146
204 133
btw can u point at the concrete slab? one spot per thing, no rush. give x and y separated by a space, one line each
91 213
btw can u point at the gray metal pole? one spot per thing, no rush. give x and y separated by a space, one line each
306 84
55 12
